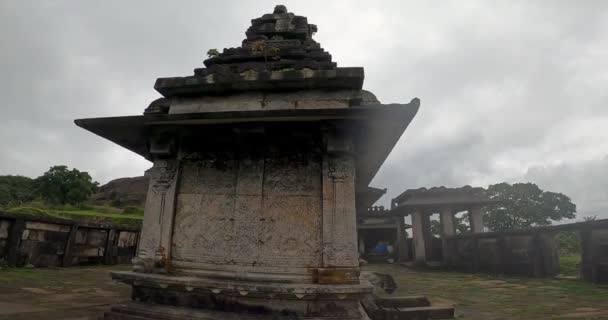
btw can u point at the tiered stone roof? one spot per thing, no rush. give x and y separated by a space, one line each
276 41
279 53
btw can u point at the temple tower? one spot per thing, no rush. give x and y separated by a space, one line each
257 158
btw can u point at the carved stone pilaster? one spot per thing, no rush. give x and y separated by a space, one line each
339 213
155 243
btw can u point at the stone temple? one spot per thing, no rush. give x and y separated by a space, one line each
257 161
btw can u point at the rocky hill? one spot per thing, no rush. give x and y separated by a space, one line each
123 192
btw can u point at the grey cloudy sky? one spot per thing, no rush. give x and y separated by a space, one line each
511 90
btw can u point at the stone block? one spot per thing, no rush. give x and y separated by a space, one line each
247 101
292 176
250 176
423 313
289 231
46 226
204 227
209 176
338 275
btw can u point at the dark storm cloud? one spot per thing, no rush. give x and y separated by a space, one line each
511 90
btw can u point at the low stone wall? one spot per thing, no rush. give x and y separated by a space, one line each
594 264
44 242
531 252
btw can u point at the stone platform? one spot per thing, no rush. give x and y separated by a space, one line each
263 299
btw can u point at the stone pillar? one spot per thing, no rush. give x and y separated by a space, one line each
156 233
418 237
340 255
108 253
14 242
447 229
68 256
401 240
476 220
428 235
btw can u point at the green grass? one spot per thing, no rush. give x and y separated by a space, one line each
14 274
101 217
569 265
92 215
97 214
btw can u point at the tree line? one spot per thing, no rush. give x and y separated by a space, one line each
57 186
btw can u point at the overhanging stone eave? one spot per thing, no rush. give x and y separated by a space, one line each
379 140
378 127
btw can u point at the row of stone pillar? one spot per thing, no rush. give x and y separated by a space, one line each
421 229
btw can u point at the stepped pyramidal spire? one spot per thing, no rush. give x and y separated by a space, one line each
276 41
279 53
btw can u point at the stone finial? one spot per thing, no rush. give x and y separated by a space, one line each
278 9
158 106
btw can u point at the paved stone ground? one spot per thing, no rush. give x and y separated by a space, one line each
82 293
484 297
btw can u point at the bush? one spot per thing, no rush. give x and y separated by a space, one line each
86 206
568 243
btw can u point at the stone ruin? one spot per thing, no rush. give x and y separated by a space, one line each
257 158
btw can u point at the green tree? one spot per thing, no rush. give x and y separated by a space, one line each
15 190
60 185
524 205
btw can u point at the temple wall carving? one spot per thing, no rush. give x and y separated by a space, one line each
266 211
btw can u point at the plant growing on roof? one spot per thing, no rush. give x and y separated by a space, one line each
212 53
260 47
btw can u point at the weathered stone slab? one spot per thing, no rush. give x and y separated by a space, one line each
423 313
5 226
252 205
46 226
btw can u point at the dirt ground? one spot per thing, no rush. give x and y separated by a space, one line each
82 293
76 293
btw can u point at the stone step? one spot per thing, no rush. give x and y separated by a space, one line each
423 313
405 308
403 302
